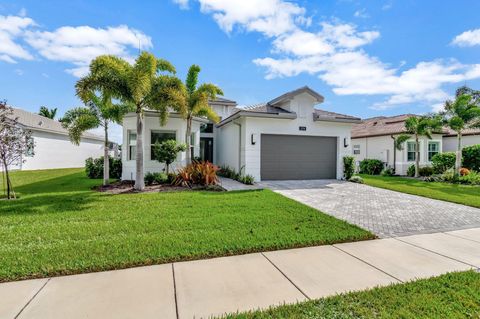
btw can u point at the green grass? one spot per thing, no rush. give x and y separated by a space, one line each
454 295
60 226
460 194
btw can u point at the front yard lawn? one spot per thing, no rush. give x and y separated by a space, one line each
60 226
454 295
460 194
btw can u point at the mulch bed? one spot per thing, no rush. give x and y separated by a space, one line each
126 187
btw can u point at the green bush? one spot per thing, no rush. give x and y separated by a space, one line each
248 180
348 166
356 179
388 171
411 171
371 166
156 178
425 171
443 161
449 176
472 179
94 167
226 171
471 157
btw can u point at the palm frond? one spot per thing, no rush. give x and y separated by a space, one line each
77 121
192 78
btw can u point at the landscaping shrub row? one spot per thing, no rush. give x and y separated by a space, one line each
94 167
228 172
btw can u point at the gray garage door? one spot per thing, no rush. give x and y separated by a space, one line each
286 157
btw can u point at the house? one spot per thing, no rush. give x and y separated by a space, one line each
53 148
285 138
469 137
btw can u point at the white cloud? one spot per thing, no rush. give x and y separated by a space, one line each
182 3
361 14
468 38
79 45
11 29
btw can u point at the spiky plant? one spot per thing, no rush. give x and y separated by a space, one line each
46 112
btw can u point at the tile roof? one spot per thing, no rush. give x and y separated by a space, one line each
470 131
326 115
265 108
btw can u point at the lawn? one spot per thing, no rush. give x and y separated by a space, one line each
60 226
454 295
460 194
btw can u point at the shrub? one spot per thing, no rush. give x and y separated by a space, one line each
248 179
197 173
348 166
356 179
226 171
472 179
425 171
167 152
464 171
471 157
155 178
94 167
411 171
149 178
433 178
388 171
371 166
449 176
443 161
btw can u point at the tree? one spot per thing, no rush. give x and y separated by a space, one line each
461 114
99 112
167 152
46 112
147 84
398 142
15 142
197 102
422 126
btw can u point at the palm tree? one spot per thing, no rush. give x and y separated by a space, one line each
461 114
143 85
197 102
46 112
421 126
398 145
99 112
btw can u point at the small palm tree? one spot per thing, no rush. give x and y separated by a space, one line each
460 114
398 142
197 102
421 126
99 112
147 84
46 112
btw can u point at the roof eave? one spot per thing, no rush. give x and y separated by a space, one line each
284 116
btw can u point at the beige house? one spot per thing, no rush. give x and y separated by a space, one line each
469 137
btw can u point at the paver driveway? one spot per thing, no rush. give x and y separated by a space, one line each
386 213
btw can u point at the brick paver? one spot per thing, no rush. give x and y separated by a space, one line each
386 213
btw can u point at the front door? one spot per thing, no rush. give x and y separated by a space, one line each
206 149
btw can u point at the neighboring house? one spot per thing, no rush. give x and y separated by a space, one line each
374 139
286 138
469 137
53 148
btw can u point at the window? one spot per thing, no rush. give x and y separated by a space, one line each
433 148
356 149
132 145
411 151
29 152
160 136
206 128
192 145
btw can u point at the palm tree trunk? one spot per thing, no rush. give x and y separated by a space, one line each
458 157
106 161
7 177
187 138
139 181
417 156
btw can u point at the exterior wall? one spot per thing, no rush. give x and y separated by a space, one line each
228 144
381 148
56 151
450 142
152 123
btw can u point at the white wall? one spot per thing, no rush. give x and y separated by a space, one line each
450 142
56 151
227 144
152 123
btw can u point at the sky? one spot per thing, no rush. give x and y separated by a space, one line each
367 58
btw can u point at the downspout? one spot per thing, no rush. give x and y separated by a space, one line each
239 146
394 155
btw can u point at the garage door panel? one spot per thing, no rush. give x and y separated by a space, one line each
298 157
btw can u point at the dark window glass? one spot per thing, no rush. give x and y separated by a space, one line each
206 128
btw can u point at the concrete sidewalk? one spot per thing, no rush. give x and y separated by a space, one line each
222 285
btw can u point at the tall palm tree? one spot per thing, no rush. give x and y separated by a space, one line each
421 126
197 102
46 112
461 114
99 112
147 84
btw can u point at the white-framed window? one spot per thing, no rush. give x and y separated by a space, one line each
192 145
356 149
433 148
132 145
160 136
411 151
30 150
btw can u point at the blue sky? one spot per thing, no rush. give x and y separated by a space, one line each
367 58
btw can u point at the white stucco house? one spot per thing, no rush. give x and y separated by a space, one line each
373 139
53 148
285 138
